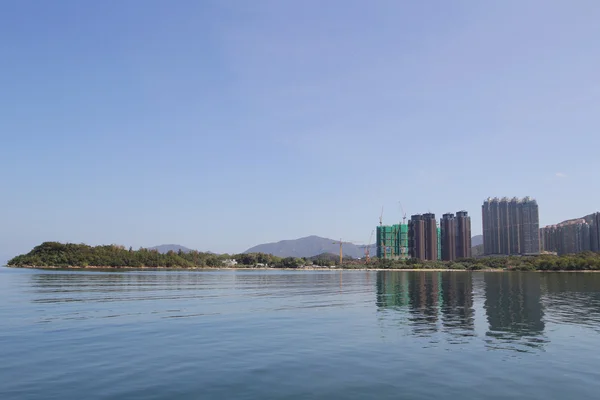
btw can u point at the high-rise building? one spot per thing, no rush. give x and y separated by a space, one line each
593 221
416 237
504 225
529 240
491 226
463 235
514 226
548 239
439 243
431 237
423 237
569 237
448 237
510 226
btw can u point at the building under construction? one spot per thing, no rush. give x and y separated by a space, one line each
423 239
392 242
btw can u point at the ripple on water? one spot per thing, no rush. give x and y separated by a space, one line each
266 334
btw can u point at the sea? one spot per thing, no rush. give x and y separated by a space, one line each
257 334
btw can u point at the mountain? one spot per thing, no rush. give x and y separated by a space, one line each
311 246
308 247
476 240
165 248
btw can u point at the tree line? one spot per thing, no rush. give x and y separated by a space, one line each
54 254
588 261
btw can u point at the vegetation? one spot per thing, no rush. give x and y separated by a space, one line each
543 262
477 251
330 259
53 254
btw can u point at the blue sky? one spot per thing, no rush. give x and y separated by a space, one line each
219 125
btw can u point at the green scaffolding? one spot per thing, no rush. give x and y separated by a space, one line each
392 242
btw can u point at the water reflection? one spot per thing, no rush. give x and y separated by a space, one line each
429 302
514 310
508 311
441 304
458 315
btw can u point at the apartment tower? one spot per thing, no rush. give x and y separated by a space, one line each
572 236
423 237
463 235
416 237
593 221
431 237
529 240
510 226
449 236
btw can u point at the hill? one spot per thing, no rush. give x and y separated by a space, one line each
476 240
165 248
55 254
309 246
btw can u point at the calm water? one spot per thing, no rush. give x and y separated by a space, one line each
298 335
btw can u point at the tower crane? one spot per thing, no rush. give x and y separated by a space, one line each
367 247
402 249
403 213
340 242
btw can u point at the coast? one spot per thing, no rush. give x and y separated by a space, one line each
54 255
242 268
250 268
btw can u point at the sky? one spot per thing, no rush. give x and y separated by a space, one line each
219 125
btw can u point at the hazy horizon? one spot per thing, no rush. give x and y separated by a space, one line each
219 126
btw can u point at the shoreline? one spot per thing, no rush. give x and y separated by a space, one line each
78 268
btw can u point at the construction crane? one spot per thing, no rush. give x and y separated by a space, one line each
340 242
403 213
367 248
381 217
402 249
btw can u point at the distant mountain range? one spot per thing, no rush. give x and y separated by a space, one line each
308 247
311 246
165 248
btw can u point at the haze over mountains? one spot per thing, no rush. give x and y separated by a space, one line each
303 247
308 247
165 248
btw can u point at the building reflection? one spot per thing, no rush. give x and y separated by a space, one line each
514 310
392 289
430 300
424 295
458 316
